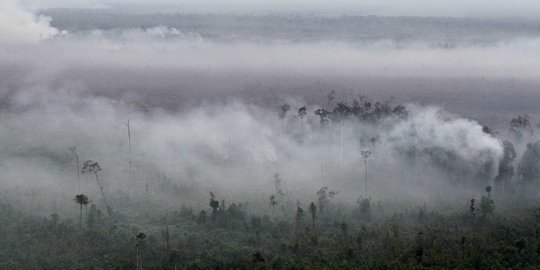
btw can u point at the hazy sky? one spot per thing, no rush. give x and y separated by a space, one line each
491 8
77 88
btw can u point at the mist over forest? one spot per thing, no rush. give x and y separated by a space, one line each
192 138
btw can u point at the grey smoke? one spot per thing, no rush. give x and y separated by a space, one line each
204 114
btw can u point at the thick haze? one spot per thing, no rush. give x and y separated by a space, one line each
457 8
202 94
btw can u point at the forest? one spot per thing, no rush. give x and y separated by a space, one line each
269 134
497 229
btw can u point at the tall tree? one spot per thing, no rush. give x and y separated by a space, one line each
138 256
90 166
302 112
82 200
283 110
130 152
313 211
324 196
529 166
74 151
214 204
365 155
487 204
506 167
299 219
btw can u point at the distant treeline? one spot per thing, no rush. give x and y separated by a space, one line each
443 32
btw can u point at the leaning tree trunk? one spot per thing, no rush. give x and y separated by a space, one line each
103 194
78 171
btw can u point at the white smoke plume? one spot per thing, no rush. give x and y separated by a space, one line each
22 26
235 149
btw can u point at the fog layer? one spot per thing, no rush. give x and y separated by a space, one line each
203 110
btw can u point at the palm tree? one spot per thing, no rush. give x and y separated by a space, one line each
90 166
82 200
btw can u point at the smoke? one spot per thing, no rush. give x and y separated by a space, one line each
20 26
458 8
234 149
204 115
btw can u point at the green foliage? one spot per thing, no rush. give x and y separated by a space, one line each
394 237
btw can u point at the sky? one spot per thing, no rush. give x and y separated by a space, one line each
454 8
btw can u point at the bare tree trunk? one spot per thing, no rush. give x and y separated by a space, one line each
341 146
74 150
137 257
130 155
80 217
140 259
365 178
167 239
102 194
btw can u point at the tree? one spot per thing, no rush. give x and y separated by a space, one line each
258 261
74 151
202 217
366 155
94 216
487 204
283 110
214 204
331 97
82 200
488 130
472 208
521 124
506 167
279 187
323 115
342 111
299 218
344 233
322 199
529 167
324 196
138 246
90 166
419 252
130 152
400 111
273 201
313 211
166 237
302 112
365 208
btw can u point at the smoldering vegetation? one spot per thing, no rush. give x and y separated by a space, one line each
269 141
224 147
